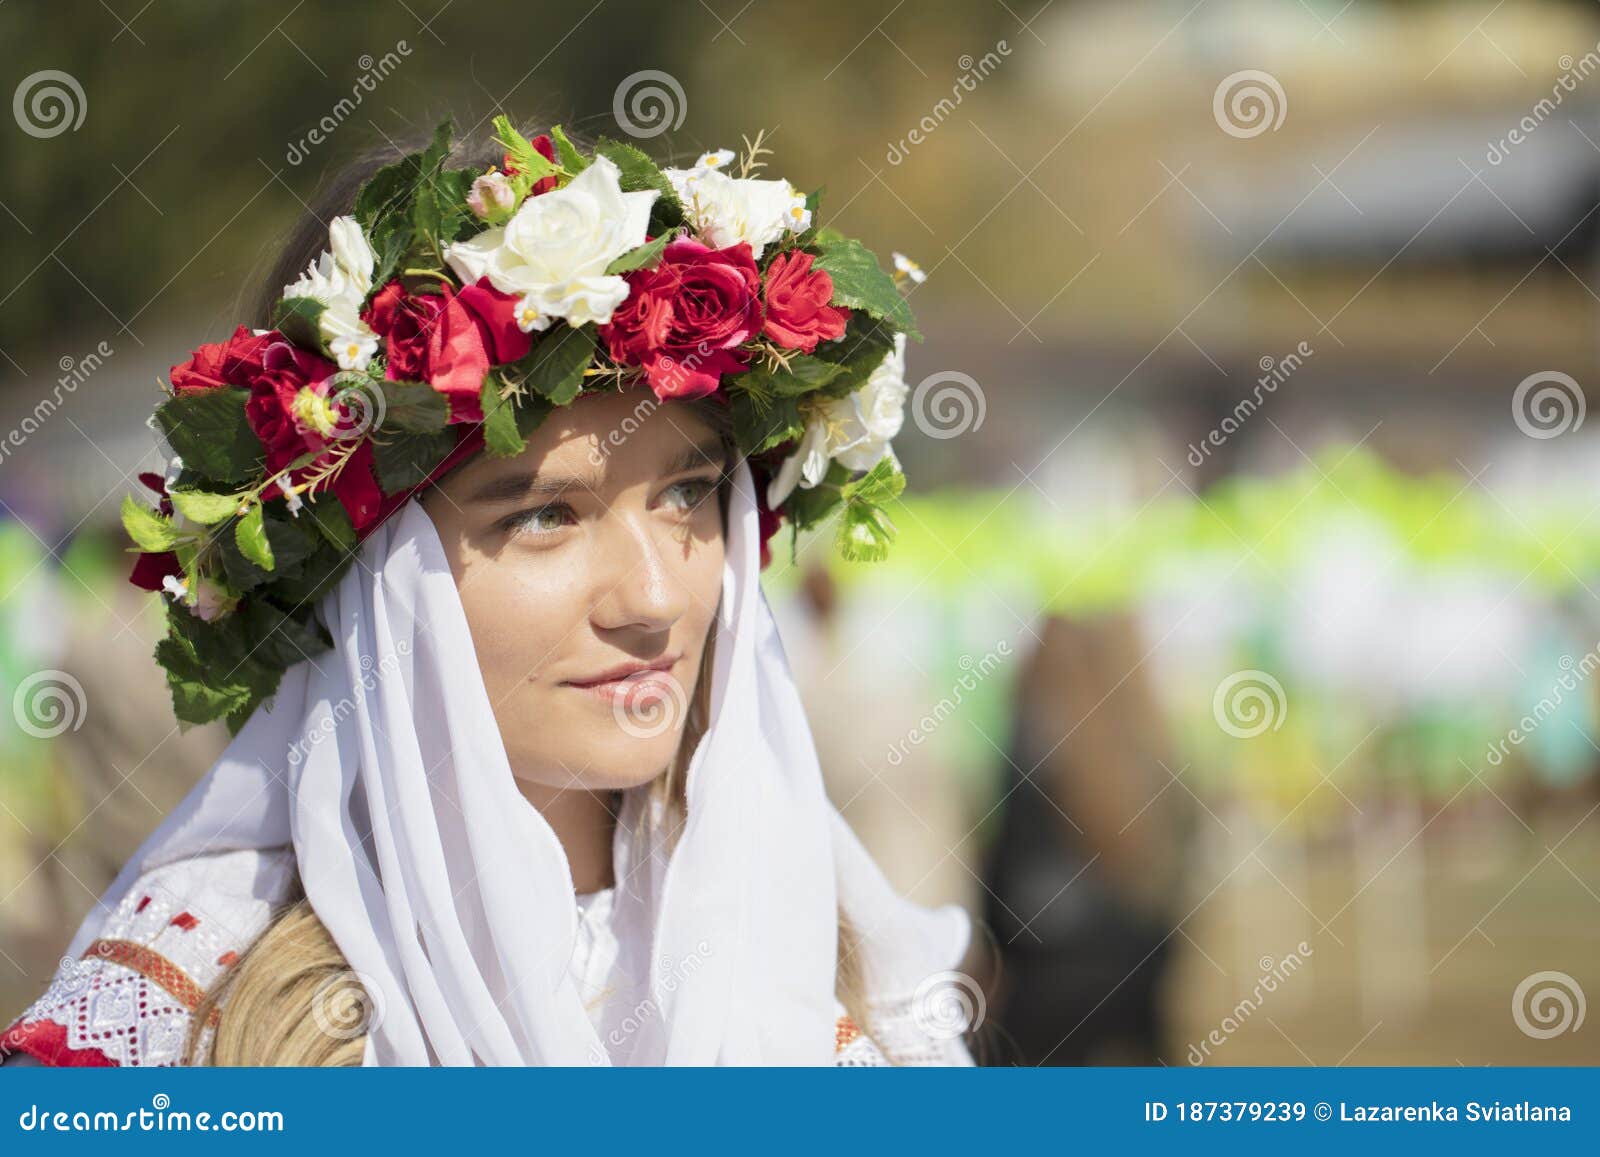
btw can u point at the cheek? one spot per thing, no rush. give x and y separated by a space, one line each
518 616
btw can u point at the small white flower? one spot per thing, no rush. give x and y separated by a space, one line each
714 159
355 351
530 318
174 468
175 587
291 496
492 197
555 249
854 430
905 267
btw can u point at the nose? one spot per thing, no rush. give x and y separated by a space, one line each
637 584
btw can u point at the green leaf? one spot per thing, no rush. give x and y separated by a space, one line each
414 407
251 536
865 533
328 515
866 342
883 483
209 431
199 506
805 375
807 506
298 318
554 367
760 426
859 283
152 532
500 434
405 460
572 161
637 173
287 540
646 256
194 698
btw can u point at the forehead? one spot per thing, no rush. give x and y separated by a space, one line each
608 438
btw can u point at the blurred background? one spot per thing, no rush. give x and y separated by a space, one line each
1236 661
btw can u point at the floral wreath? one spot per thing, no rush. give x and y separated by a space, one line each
451 312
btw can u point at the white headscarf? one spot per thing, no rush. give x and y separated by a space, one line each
451 896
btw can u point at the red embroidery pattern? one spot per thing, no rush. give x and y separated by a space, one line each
155 967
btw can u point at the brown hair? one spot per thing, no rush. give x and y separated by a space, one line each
291 998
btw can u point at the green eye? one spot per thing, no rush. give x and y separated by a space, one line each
544 520
692 492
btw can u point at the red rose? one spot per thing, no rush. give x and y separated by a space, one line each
683 318
798 313
230 363
448 339
290 411
546 148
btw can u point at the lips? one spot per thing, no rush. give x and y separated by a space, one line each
631 680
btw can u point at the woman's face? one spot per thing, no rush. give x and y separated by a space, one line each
579 561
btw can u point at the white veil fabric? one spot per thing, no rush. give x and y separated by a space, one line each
451 897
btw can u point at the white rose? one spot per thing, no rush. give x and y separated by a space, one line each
340 279
725 210
555 249
853 430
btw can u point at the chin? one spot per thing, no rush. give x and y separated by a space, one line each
607 759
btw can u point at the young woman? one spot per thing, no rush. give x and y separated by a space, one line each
520 774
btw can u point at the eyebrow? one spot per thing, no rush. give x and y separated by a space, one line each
515 487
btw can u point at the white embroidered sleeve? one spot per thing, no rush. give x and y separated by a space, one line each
129 999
